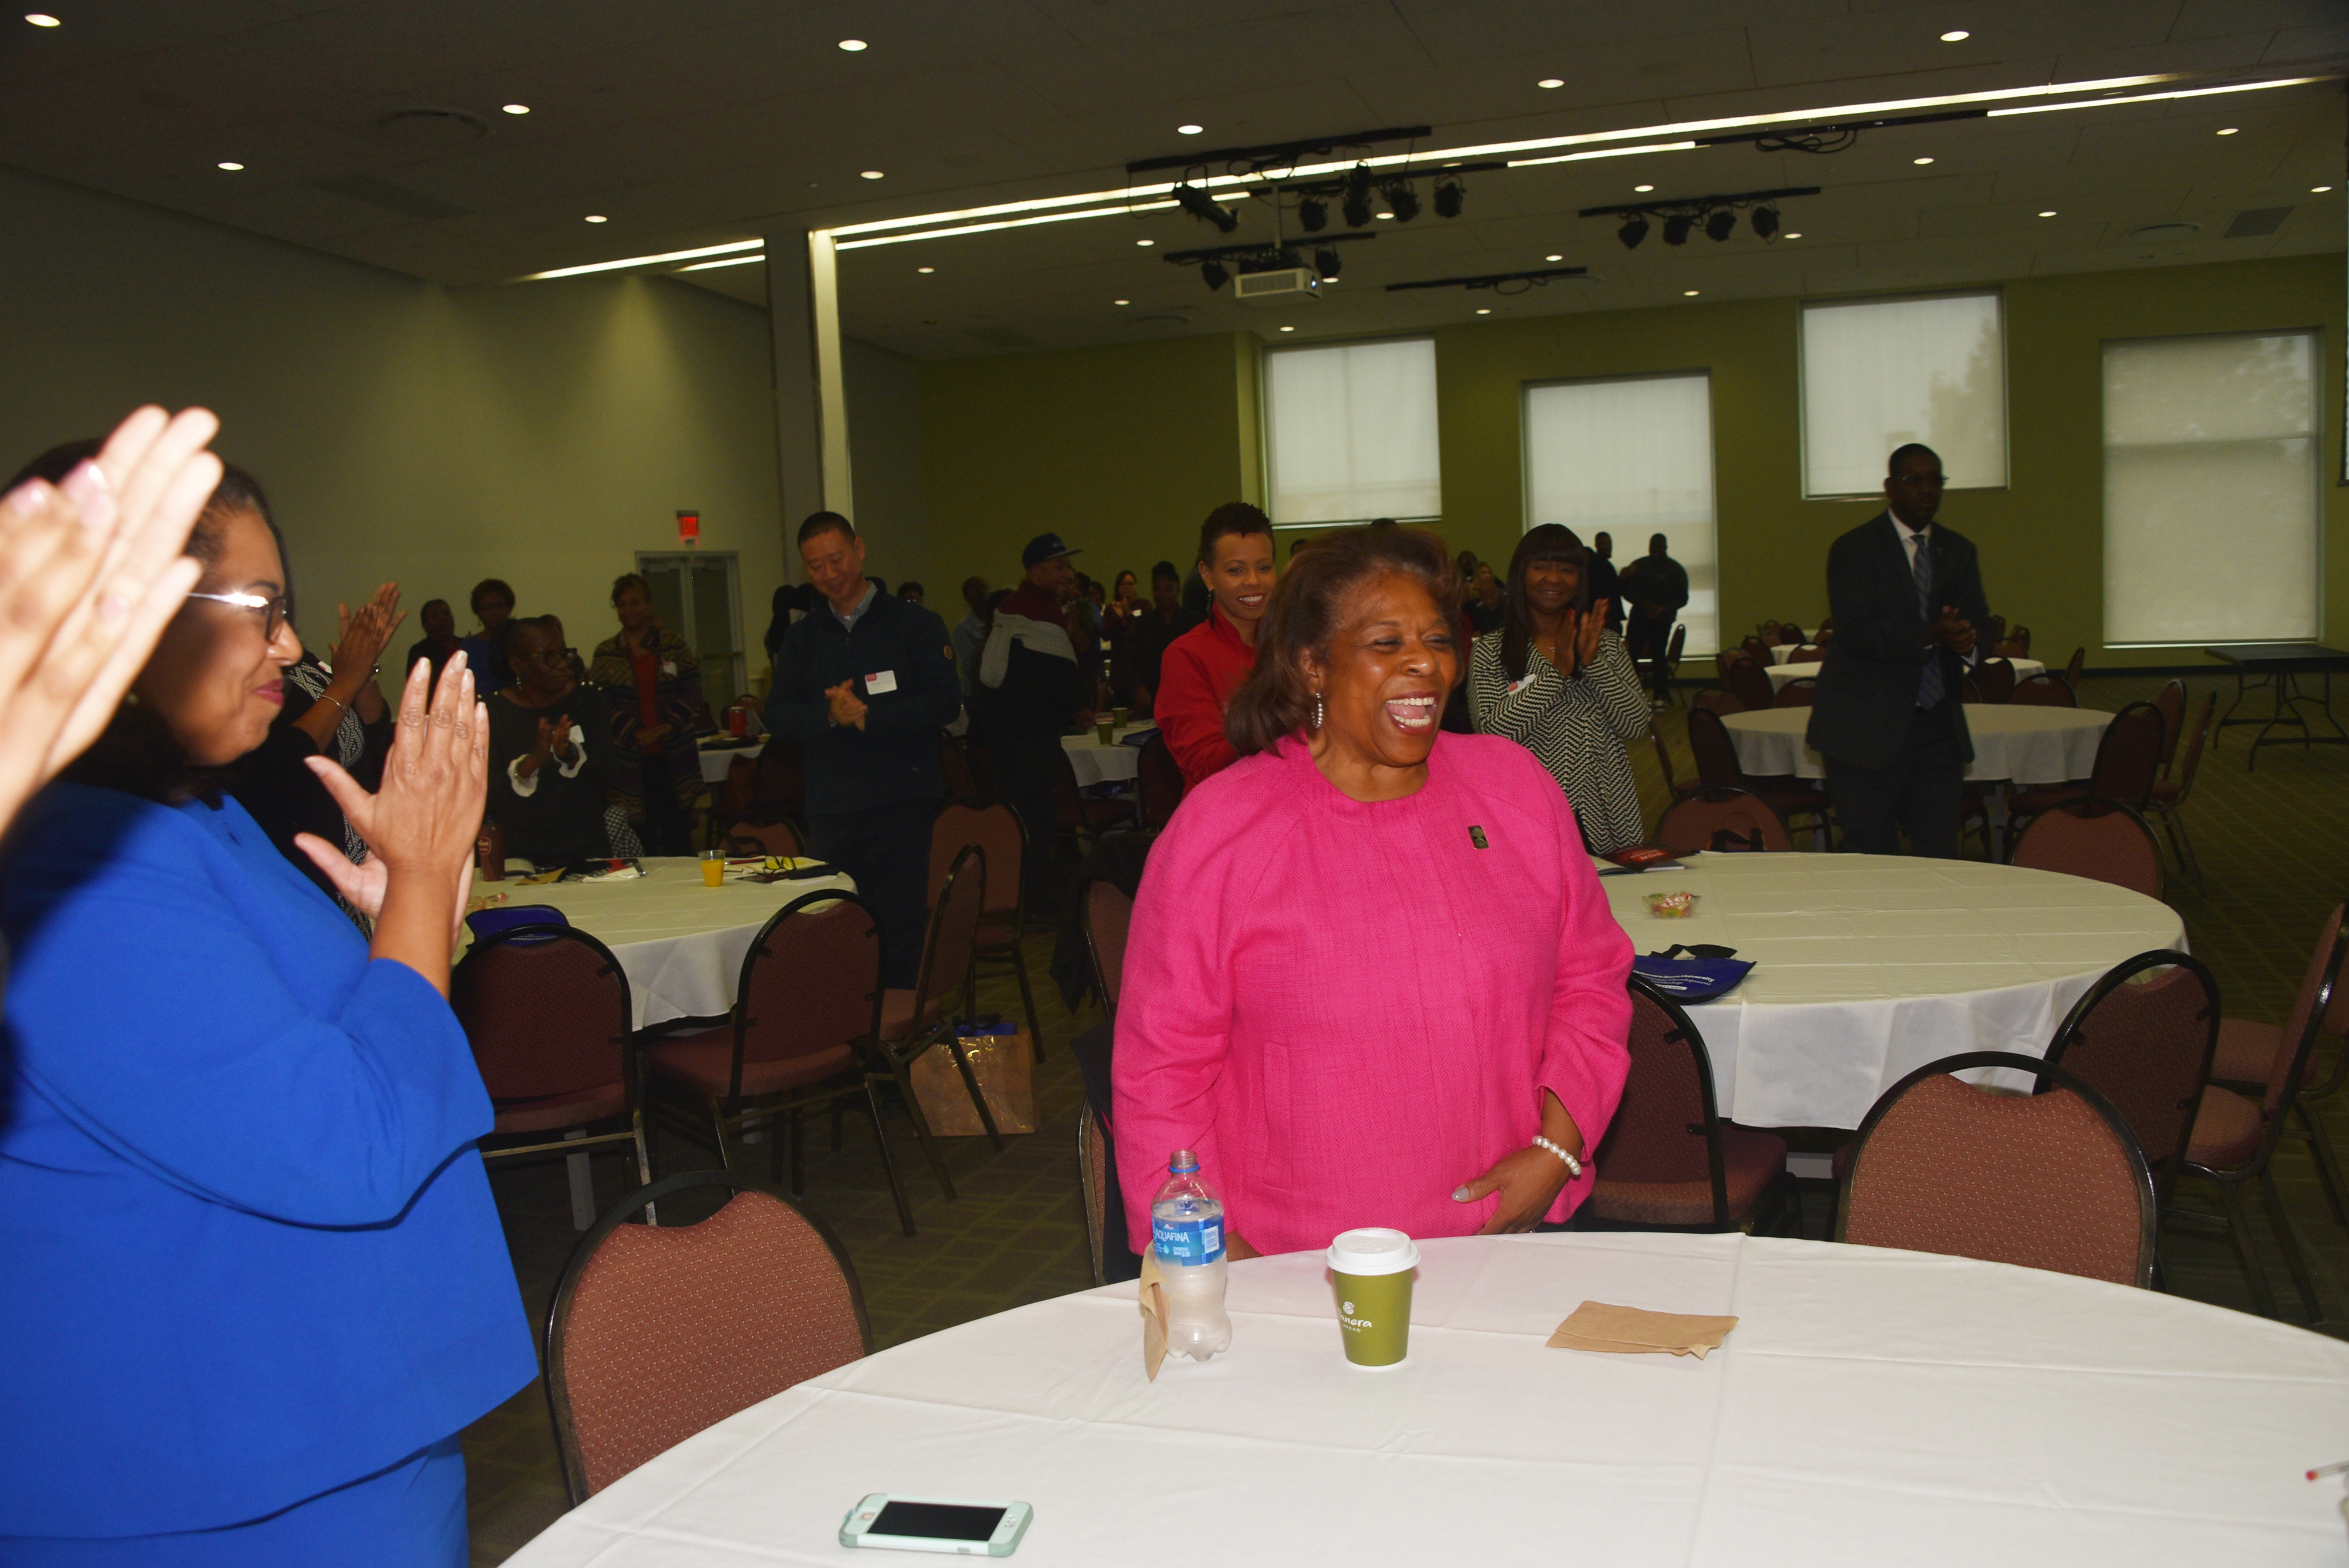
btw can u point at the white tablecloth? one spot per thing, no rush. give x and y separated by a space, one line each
680 943
714 764
2028 745
1866 967
1871 1406
1096 764
1783 674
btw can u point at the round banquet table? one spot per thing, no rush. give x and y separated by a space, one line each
1783 674
1871 1406
2026 744
1868 966
715 760
1096 764
680 943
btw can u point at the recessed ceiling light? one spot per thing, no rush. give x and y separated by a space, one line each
870 174
854 45
1145 242
1550 82
1921 162
42 19
1120 302
1956 36
926 269
1644 188
232 168
1289 329
2230 130
517 109
597 218
1484 310
1795 235
1554 258
1189 130
1385 215
2318 189
2048 214
1688 294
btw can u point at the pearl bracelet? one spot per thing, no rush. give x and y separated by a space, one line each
1573 1165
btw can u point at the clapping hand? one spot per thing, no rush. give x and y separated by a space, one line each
364 636
1952 631
847 707
555 740
1580 643
90 573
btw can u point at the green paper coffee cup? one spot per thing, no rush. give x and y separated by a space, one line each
1371 1274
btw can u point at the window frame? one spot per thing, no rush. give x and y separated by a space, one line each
1266 353
1803 307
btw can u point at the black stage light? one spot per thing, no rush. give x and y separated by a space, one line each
1720 223
1765 222
1313 215
1213 274
1677 227
1634 230
1357 206
1402 202
1201 205
1326 261
1448 198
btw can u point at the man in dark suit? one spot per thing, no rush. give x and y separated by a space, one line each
1887 716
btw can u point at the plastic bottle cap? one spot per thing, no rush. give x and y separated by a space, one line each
1373 1250
1183 1162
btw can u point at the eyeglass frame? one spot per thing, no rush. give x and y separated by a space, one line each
272 609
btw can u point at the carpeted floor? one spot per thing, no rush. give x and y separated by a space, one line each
2273 842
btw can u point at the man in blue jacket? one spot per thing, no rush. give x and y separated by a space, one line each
864 684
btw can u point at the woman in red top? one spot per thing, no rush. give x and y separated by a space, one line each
1206 664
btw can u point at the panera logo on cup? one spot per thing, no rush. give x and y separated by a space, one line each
1370 1276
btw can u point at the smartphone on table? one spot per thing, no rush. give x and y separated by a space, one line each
935 1525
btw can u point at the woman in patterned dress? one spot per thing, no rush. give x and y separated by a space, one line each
654 683
1558 683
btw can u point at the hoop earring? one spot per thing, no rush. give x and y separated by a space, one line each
1318 714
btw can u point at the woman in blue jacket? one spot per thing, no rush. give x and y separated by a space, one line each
256 1284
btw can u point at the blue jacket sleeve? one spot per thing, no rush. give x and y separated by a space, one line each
925 672
204 1063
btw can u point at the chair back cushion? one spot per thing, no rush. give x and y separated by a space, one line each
782 785
669 1330
778 838
1749 685
1689 824
1995 679
734 796
961 780
2319 995
810 979
2040 1180
1109 912
1658 1134
2045 691
2142 1037
2190 762
1796 693
2101 840
995 827
2171 703
2129 756
1160 780
545 1016
1709 742
954 929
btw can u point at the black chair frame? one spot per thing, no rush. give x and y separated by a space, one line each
896 1058
2167 1164
558 1316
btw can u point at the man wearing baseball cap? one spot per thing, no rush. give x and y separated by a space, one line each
1032 690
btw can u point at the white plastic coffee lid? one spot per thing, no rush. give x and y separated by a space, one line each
1373 1250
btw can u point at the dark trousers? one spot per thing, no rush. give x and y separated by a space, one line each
1647 637
1026 772
888 850
1922 789
666 829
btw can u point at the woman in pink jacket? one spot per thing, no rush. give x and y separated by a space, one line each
1372 977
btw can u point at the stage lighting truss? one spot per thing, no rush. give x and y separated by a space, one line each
1717 215
1218 263
1501 282
1358 192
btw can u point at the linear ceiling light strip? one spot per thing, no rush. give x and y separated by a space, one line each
1601 152
2155 96
729 260
1017 223
725 249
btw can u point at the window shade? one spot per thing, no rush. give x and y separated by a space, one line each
2212 530
1631 459
1880 373
1350 433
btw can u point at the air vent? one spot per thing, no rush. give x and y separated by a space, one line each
392 198
432 126
1174 315
2256 223
1284 285
2162 233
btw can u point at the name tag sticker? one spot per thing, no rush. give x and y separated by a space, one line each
1517 686
883 680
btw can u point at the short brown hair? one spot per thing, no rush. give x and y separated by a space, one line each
1274 700
1231 517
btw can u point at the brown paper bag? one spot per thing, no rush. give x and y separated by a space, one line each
1005 1068
1154 1316
1632 1331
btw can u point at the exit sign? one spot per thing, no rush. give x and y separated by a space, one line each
689 527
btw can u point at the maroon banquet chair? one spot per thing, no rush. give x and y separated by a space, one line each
1719 817
1994 678
1717 764
2043 691
995 829
2127 757
1109 915
1749 683
2102 840
1796 693
1668 1162
1158 779
2143 1037
779 838
2172 703
2049 1181
2170 794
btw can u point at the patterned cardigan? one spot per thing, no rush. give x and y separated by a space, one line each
1577 726
677 696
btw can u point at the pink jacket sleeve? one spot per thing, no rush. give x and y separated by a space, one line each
1585 1060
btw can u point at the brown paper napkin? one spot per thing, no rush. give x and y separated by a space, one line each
1629 1331
1153 1315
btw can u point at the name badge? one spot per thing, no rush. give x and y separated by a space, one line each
881 681
1517 686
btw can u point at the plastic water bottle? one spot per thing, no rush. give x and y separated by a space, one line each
1187 1233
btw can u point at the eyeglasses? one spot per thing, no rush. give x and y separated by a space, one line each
272 608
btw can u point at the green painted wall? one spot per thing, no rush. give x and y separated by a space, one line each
1122 451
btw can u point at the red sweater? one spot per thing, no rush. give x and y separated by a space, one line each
1201 669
